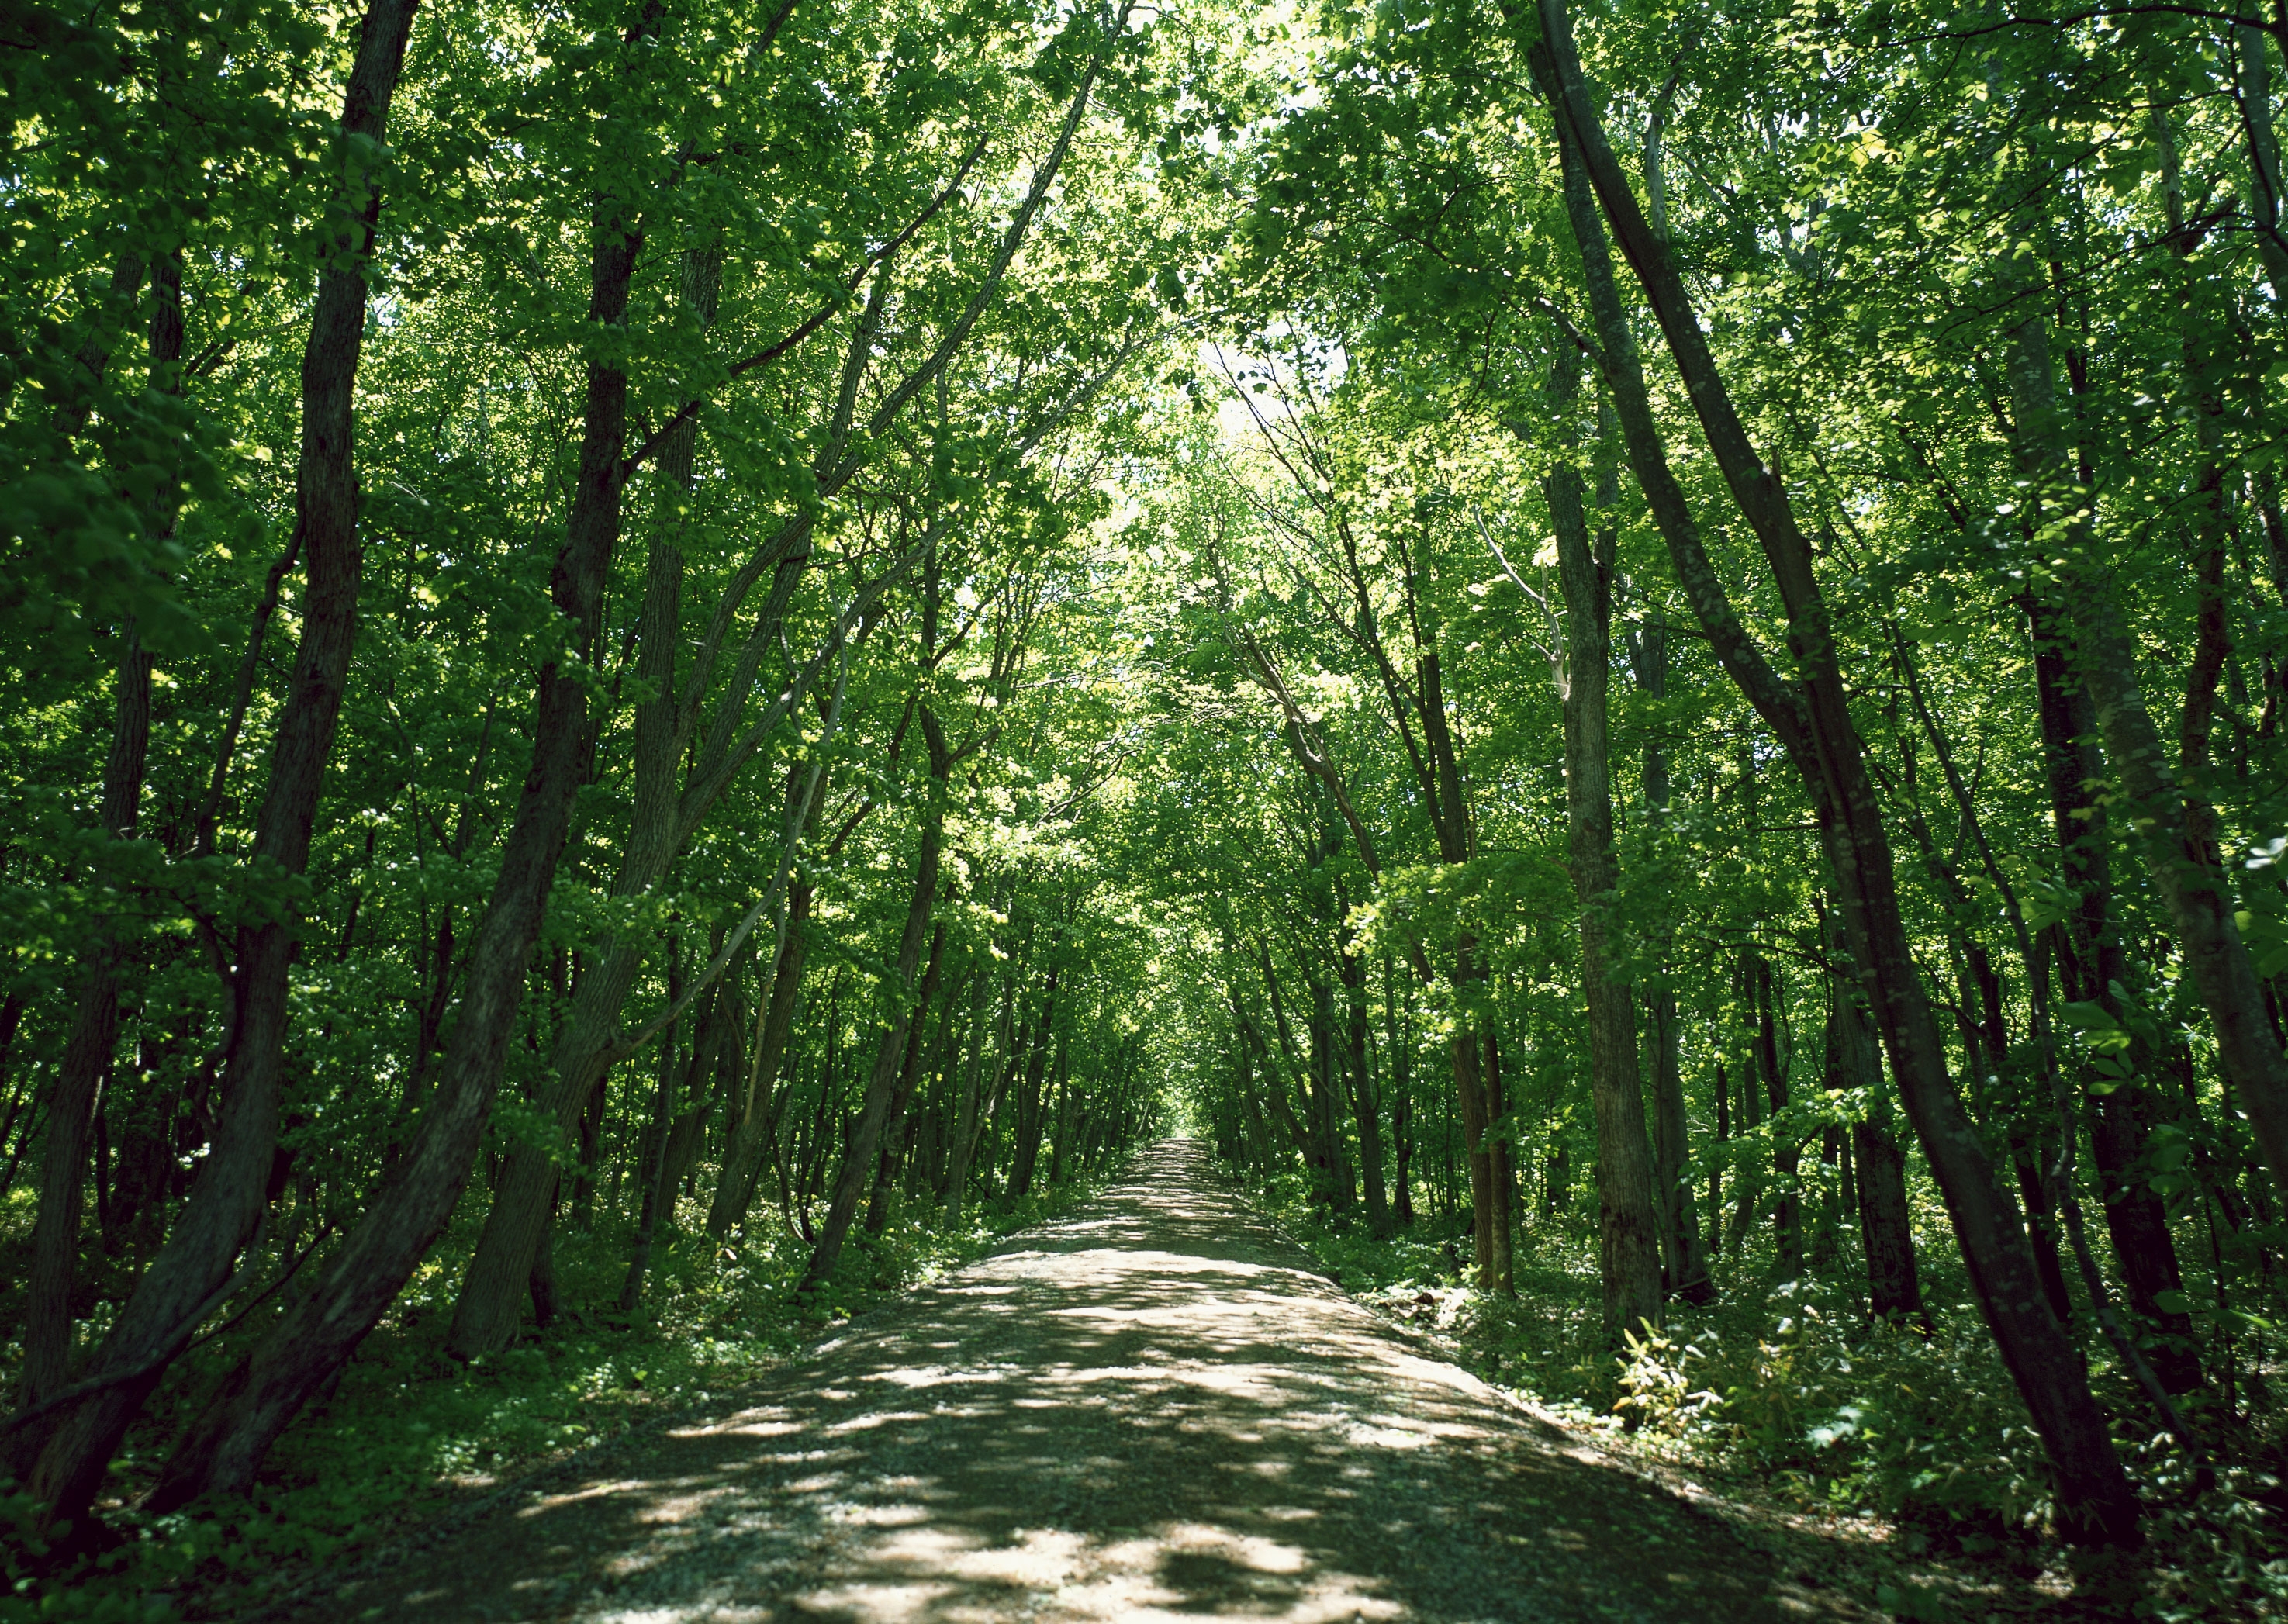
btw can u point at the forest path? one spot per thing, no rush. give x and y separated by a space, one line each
1152 1410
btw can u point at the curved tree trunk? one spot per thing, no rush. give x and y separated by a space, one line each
194 1270
2095 1499
268 1389
95 1026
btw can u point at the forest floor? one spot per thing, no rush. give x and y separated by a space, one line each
1155 1408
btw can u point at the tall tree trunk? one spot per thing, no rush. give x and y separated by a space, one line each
1501 1165
87 1057
2092 967
1365 1106
858 1171
1855 1059
655 1184
264 1391
2255 91
193 1273
964 1130
95 1026
1685 1257
485 1314
2095 1499
1324 1102
877 1205
1628 1229
743 1159
1401 1093
1787 1152
2169 819
1025 1148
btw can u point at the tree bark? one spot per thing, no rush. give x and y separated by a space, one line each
227 1205
857 1175
1887 1237
1025 1149
1628 1229
1787 1153
95 1027
1685 1257
2167 819
743 1159
2095 1502
964 1133
878 1204
262 1394
2092 967
87 1057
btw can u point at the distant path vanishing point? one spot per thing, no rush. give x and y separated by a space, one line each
1152 1410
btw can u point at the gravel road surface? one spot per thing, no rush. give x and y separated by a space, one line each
1152 1410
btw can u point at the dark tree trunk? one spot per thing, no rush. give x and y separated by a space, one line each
857 1175
1365 1106
2095 1499
316 1335
1686 1258
1887 1237
1025 1150
1628 1225
2092 966
2169 821
652 1183
964 1124
1401 1094
194 1270
743 1159
877 1205
87 1057
1787 1154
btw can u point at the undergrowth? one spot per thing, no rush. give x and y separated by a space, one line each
1782 1391
410 1432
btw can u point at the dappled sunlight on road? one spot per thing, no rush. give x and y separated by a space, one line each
1153 1411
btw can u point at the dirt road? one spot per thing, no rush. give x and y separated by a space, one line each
1151 1410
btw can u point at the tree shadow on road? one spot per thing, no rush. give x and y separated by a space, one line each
1149 1411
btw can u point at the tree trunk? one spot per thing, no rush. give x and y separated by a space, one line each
95 1028
877 1205
1686 1259
87 1057
1886 1238
1365 1106
2092 966
261 1396
1628 1230
194 1270
1026 1146
743 1159
1787 1152
2167 819
664 813
1401 1094
655 1183
964 1131
2095 1499
858 1171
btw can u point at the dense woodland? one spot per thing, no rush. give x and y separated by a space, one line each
663 654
